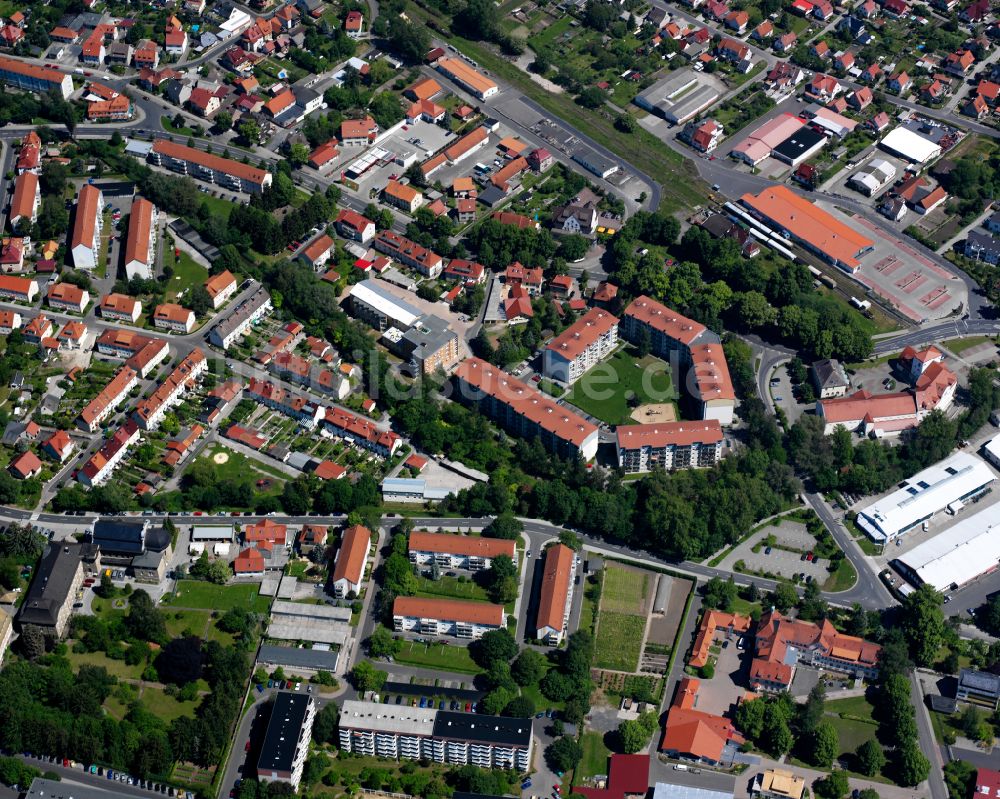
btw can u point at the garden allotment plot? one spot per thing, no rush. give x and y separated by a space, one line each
621 620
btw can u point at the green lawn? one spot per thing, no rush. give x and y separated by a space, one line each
450 588
218 205
605 390
619 641
197 594
188 273
858 727
166 707
623 592
438 656
238 465
842 579
116 667
180 620
595 757
168 124
960 345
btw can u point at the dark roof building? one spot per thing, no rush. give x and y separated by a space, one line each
119 537
979 687
60 573
286 742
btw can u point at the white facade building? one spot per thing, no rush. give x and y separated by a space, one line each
955 479
442 736
581 346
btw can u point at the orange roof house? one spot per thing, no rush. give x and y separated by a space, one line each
556 580
249 561
349 569
265 531
695 734
25 466
424 89
711 622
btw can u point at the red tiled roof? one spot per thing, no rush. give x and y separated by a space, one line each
352 554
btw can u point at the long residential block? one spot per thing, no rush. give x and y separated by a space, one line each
102 463
209 168
239 319
668 445
456 617
150 412
141 353
409 253
34 78
26 200
18 288
360 431
557 594
524 411
140 244
458 551
442 736
85 241
109 398
286 742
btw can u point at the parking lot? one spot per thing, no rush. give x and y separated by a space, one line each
787 557
731 681
913 284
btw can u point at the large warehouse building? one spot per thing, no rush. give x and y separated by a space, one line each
953 480
956 556
910 146
679 97
809 225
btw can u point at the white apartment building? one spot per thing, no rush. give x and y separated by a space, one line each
458 551
140 245
581 346
668 445
85 240
469 620
443 736
286 742
240 319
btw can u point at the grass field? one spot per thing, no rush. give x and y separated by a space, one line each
166 707
852 731
438 656
119 668
623 592
595 757
208 596
605 391
842 579
218 205
450 588
619 641
960 345
188 273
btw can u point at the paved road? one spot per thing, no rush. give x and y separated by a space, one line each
537 532
868 585
928 744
